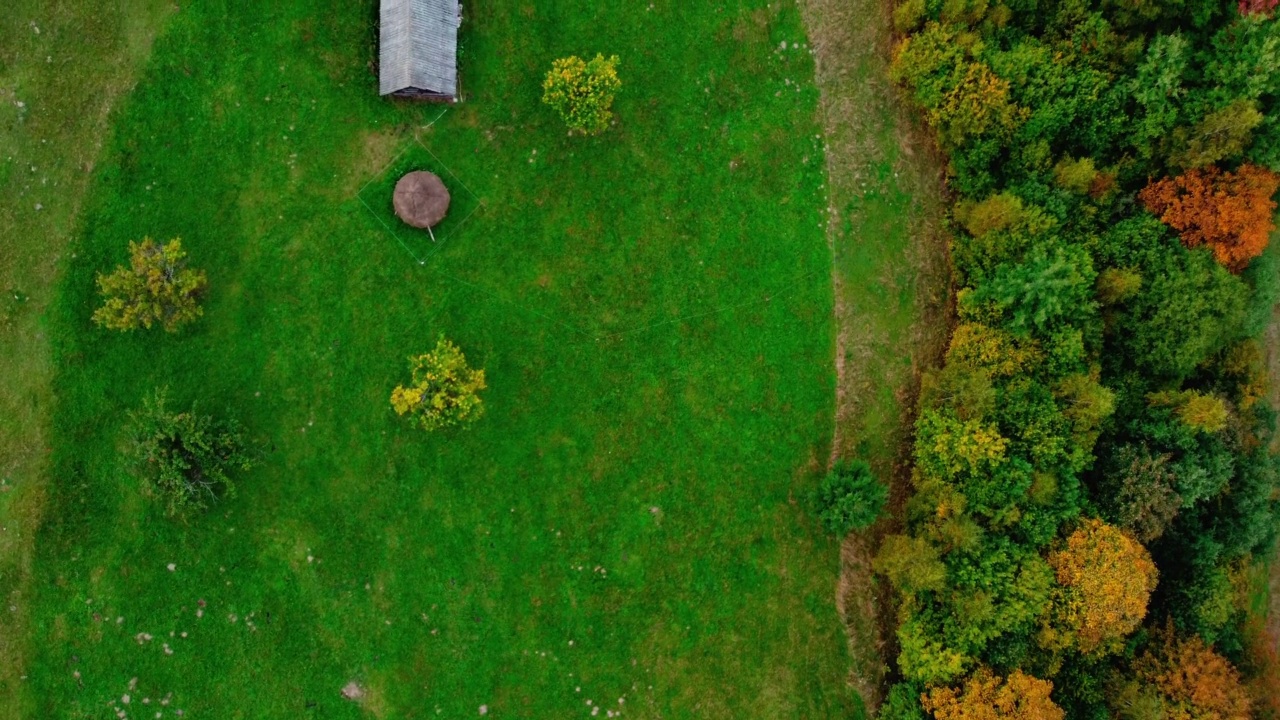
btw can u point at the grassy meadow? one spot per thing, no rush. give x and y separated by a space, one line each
625 529
63 67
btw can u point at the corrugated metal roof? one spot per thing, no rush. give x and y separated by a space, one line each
419 46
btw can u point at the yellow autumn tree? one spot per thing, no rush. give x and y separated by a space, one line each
987 696
156 289
1194 682
1105 580
444 391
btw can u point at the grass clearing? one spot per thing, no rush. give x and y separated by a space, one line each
652 309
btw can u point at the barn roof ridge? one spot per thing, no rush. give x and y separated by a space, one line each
418 47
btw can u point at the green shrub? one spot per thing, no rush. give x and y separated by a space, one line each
157 287
186 457
582 92
850 498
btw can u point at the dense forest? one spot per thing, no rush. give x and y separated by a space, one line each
1094 488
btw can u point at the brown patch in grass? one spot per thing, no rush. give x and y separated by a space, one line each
377 149
868 128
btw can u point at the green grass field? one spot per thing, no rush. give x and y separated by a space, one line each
653 308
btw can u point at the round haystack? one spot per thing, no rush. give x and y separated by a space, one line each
421 199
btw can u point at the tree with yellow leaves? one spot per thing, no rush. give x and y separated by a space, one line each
1191 681
1105 580
444 391
986 696
583 91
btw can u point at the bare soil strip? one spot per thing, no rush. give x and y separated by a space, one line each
1272 345
891 282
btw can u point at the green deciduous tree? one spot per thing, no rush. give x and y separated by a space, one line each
1048 289
1221 135
187 458
912 564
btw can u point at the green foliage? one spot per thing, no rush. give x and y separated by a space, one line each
187 458
1221 135
998 212
1086 326
1158 88
1075 176
1086 404
947 447
1047 290
912 564
582 92
1115 285
925 660
1188 309
445 391
909 15
156 288
902 703
850 498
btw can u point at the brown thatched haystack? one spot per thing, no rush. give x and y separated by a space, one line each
421 199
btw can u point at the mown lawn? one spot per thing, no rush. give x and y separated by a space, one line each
624 529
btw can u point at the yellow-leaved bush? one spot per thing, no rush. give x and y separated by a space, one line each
583 91
987 696
444 391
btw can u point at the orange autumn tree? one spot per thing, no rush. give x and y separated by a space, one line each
1105 579
986 696
1228 212
1193 681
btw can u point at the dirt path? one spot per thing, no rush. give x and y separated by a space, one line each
1272 345
891 282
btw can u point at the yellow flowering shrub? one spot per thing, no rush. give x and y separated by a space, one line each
582 92
444 391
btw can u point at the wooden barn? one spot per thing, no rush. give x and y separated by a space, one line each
418 49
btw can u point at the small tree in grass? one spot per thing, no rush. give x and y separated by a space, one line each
444 391
187 457
850 498
157 287
582 92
